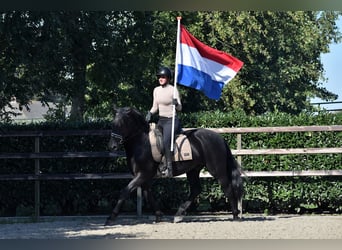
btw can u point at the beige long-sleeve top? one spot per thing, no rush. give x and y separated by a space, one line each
162 100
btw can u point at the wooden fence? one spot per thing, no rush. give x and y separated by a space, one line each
239 152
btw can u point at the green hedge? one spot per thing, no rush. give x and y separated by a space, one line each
295 195
271 195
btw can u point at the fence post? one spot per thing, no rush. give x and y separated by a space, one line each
36 182
139 202
239 159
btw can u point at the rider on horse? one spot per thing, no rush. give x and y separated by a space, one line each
163 101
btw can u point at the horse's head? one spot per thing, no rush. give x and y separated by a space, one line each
127 123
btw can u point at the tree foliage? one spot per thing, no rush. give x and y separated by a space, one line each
281 52
92 60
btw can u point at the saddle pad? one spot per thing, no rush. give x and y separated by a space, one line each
182 149
157 156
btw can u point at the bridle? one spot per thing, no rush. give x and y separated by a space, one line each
123 139
120 139
117 137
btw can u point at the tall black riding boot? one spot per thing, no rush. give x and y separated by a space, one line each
167 171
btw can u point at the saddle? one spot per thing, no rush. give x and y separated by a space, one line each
182 147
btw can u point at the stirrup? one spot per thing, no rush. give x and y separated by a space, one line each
167 173
162 165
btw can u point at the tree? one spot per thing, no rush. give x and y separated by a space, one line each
17 32
51 53
80 40
96 59
90 59
281 51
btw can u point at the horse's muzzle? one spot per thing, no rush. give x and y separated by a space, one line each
114 142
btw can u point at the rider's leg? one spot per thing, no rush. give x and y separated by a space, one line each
166 168
167 171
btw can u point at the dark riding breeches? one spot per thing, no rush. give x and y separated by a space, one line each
166 125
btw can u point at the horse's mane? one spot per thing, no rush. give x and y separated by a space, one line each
134 116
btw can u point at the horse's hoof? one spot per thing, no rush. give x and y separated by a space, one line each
159 216
236 218
177 219
109 222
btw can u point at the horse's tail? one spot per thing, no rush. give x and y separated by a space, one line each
237 180
236 172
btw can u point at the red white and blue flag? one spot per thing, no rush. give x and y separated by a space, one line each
202 67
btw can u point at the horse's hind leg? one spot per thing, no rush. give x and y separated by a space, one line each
195 190
228 191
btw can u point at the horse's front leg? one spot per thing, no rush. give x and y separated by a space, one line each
124 195
150 199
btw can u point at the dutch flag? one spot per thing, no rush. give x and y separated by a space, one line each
202 67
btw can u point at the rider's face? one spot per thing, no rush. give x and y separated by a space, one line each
162 80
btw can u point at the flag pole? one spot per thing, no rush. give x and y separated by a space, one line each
175 82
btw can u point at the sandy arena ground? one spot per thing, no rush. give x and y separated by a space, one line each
193 227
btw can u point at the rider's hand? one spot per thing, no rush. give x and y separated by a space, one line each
175 102
148 116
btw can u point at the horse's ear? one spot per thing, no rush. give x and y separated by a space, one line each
115 109
130 111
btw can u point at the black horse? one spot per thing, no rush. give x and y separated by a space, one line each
208 149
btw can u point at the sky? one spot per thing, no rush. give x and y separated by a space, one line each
332 63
